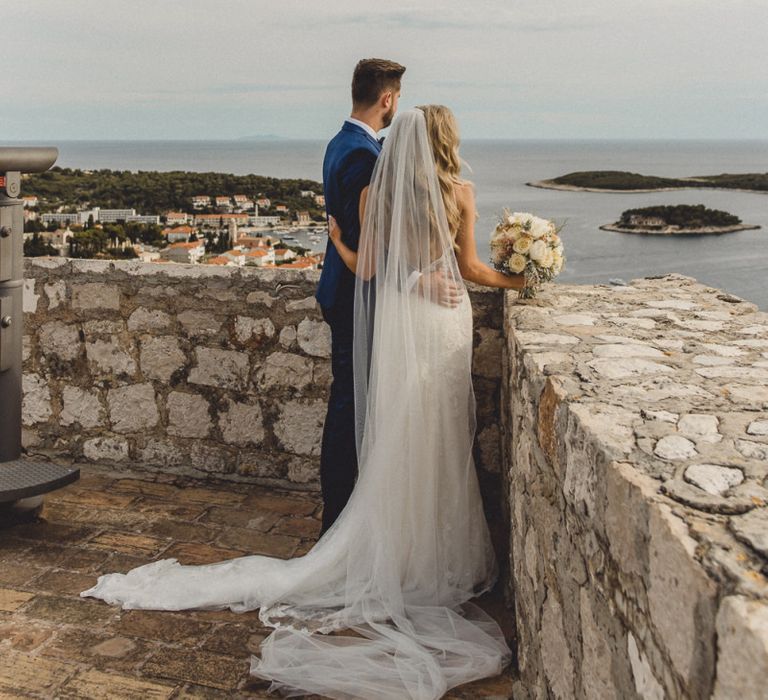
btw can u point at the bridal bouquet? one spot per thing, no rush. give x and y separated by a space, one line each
525 243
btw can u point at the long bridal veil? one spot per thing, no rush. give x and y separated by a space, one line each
411 548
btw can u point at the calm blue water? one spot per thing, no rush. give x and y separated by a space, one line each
736 262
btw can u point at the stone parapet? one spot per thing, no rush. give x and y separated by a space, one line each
636 454
197 369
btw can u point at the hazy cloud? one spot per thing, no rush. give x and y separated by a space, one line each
509 68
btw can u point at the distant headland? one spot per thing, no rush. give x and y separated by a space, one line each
623 182
680 219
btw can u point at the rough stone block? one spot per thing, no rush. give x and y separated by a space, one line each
300 425
160 357
82 407
188 415
36 402
222 368
95 295
132 408
242 423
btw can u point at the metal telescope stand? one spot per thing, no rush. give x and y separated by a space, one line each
22 480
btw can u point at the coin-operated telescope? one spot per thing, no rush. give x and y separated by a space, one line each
22 481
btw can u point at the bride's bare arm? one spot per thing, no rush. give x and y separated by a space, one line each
348 255
470 265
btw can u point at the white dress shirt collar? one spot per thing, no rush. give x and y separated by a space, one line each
365 126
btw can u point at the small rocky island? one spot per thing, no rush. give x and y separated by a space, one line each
622 181
677 219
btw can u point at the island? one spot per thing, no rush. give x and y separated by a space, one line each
679 219
623 182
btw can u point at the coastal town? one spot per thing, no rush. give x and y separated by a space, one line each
232 230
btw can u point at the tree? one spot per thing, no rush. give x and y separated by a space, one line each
37 246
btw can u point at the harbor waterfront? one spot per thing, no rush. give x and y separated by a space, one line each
500 171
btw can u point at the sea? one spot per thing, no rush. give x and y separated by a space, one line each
735 262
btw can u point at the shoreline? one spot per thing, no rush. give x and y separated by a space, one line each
550 185
683 231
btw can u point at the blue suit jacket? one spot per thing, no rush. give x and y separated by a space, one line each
347 169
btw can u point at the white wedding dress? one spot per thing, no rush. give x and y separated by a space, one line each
412 546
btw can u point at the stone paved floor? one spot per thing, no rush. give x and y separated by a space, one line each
54 644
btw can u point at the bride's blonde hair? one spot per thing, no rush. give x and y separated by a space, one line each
443 134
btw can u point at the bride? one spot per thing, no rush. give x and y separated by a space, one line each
411 548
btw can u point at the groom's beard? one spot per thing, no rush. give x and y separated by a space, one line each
388 117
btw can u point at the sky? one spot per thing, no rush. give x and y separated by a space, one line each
532 69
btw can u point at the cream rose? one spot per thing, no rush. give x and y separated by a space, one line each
522 244
516 263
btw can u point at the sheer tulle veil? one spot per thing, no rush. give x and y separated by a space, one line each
411 548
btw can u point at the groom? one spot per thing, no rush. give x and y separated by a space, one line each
347 168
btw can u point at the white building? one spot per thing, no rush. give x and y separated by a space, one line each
263 220
260 257
176 217
200 201
184 252
178 234
144 219
283 254
107 216
307 193
235 255
66 219
30 201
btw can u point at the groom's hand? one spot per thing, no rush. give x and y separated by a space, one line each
441 289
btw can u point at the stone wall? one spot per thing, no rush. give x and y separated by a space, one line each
636 454
197 369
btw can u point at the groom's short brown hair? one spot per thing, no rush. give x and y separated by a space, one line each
372 77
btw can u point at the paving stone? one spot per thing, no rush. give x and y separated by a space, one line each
196 494
127 543
23 675
18 574
98 649
163 626
297 527
201 667
235 640
97 685
11 599
197 553
255 519
180 531
144 488
86 497
253 542
286 505
21 634
62 582
54 532
74 611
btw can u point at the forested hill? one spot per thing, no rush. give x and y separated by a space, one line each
621 180
152 191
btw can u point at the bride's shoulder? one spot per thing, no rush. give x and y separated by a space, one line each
464 191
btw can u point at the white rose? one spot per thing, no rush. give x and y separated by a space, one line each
537 251
522 244
516 263
548 259
539 227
